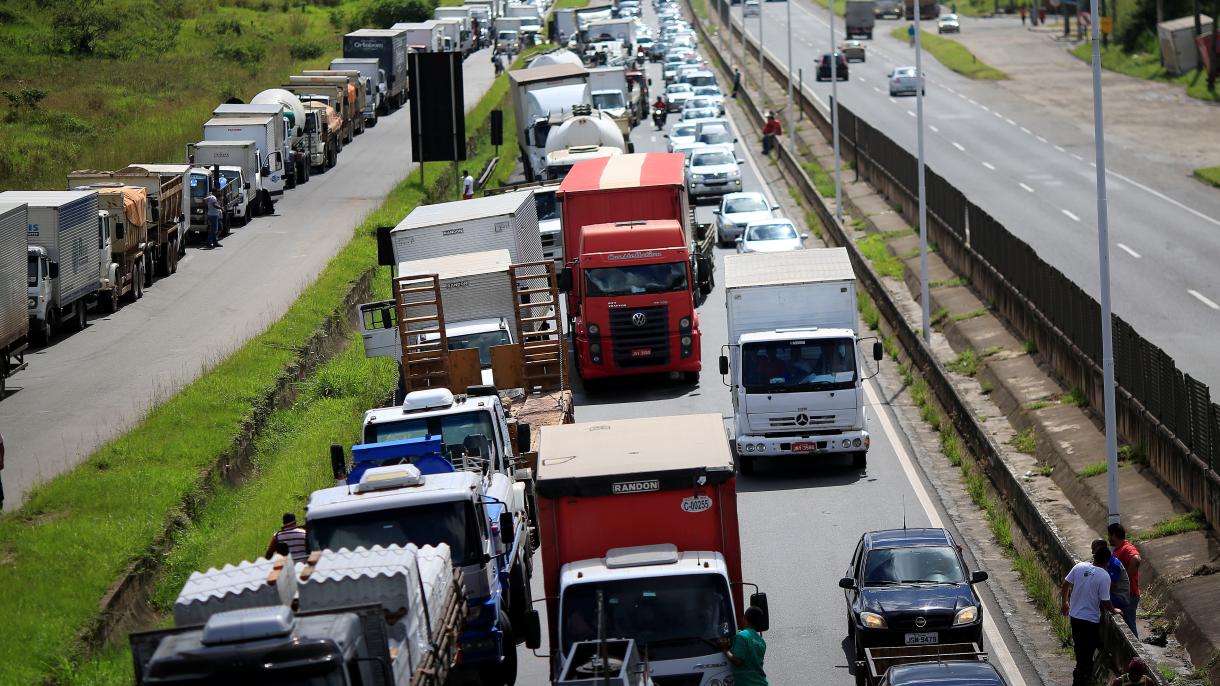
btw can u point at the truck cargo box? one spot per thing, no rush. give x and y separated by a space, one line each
389 46
14 321
791 290
508 221
62 223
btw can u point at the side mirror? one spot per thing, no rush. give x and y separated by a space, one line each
338 462
564 280
507 528
53 270
878 351
759 600
774 208
716 212
523 438
724 365
978 577
740 239
740 161
804 237
532 630
847 583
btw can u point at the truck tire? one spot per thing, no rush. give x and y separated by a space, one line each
150 272
520 597
268 203
504 673
41 332
859 459
80 317
110 301
173 257
137 282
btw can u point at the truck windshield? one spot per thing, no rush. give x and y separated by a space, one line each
454 430
635 280
546 205
797 366
483 340
672 617
451 522
199 186
608 101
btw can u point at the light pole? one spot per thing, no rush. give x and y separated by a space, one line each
762 89
834 113
923 201
1103 259
791 102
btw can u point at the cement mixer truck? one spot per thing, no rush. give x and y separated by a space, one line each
588 134
296 151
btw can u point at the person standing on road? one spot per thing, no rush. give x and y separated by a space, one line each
291 535
911 34
1129 556
1085 593
770 130
736 81
1022 13
467 186
746 650
214 210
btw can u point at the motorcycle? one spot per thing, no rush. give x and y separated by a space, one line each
658 117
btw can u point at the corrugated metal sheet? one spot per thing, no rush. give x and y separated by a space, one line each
800 266
14 320
233 588
473 286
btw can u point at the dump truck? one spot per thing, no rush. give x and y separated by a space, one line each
370 69
124 212
380 616
339 95
543 97
928 9
357 91
14 317
389 47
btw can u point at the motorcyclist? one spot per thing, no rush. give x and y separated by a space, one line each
660 111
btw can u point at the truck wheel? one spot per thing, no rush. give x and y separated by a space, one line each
859 459
173 258
268 204
79 317
520 598
150 273
137 282
110 301
504 673
42 331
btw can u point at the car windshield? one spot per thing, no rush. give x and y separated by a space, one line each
608 101
670 617
771 232
698 102
453 429
546 206
483 340
716 137
709 159
919 564
678 88
450 522
701 80
748 204
684 131
904 72
32 279
709 91
635 280
949 17
798 366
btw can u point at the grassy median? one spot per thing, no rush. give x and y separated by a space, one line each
1146 65
1209 175
953 55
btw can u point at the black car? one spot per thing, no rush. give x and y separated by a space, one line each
824 67
956 673
911 587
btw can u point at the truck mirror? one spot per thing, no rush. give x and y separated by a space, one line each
878 351
247 186
53 270
564 280
265 171
523 438
759 600
847 583
532 630
507 528
338 462
724 365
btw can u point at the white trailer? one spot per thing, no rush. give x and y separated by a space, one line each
284 138
793 360
451 35
539 95
424 36
374 75
508 221
14 316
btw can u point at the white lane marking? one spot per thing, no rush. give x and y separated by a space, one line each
1129 251
1025 187
1204 299
962 96
934 129
950 90
1041 139
1025 130
998 115
1164 197
893 101
1078 157
958 146
1010 122
1070 215
876 89
989 166
984 107
862 79
911 112
994 639
1058 148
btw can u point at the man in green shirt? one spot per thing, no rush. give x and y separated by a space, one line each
746 650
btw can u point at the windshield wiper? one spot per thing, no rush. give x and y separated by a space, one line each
682 639
929 581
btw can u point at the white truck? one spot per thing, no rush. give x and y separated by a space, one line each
608 88
14 315
588 134
451 35
389 48
542 98
384 616
793 362
621 30
65 254
531 24
424 36
370 69
284 138
509 36
237 156
296 140
508 221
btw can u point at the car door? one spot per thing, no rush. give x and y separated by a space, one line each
854 572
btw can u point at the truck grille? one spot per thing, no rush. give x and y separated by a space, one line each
551 245
811 422
643 345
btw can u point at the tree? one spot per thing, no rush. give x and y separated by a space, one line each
385 13
82 24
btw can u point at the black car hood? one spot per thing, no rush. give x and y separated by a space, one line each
928 599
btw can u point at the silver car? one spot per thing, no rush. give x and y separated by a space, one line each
903 81
681 135
712 171
676 95
736 211
771 235
713 93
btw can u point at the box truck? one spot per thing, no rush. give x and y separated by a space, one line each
860 16
14 316
542 98
793 365
283 140
508 221
389 47
124 214
467 41
267 132
424 36
375 78
640 515
240 164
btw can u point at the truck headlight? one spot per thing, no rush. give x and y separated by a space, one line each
871 620
966 615
31 302
685 340
855 443
594 329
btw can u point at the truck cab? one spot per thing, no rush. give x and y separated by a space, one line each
39 284
481 334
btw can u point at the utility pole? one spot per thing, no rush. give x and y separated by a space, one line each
791 102
834 112
923 201
762 89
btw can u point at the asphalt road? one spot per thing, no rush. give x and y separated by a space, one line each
1032 170
91 386
800 519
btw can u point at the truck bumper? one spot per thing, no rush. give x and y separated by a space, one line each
704 189
852 441
606 367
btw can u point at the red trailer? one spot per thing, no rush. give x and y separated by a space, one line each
640 515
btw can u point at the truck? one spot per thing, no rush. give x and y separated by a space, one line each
592 13
565 24
588 134
240 164
389 47
123 212
283 139
547 206
267 132
619 30
14 317
860 17
609 90
480 24
509 34
338 95
542 97
357 92
323 134
464 16
928 9
636 262
375 79
384 616
202 181
423 36
451 35
63 229
531 21
296 121
639 516
793 364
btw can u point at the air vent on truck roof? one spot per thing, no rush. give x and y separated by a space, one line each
427 399
249 624
642 556
385 478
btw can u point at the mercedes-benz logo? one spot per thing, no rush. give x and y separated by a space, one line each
802 419
639 319
921 622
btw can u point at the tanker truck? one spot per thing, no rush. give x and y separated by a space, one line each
296 152
588 134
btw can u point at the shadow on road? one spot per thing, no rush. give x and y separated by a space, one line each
794 473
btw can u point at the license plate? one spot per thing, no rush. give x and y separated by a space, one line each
804 447
641 352
923 639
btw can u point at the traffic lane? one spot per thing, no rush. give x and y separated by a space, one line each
92 386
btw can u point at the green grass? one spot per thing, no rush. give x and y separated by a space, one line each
86 525
840 6
1183 523
966 362
972 314
1209 175
868 310
1147 65
568 4
1025 442
874 248
1076 397
823 179
948 283
953 55
1035 405
1092 470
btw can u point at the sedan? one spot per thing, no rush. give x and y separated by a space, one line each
752 9
853 51
771 235
840 67
911 587
948 23
676 95
903 81
681 134
698 102
713 93
736 211
690 114
712 171
962 673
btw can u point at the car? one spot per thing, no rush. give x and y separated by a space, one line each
903 81
656 52
712 92
770 235
911 587
690 114
681 134
698 78
686 148
714 135
712 171
853 51
948 23
736 211
676 95
963 673
698 102
751 9
824 67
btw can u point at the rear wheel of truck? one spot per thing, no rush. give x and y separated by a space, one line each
173 257
110 301
520 598
137 282
42 330
859 459
79 316
505 672
151 272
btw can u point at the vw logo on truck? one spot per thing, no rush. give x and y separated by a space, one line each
639 319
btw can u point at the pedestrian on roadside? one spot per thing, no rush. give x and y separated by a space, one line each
467 186
736 81
1129 555
770 130
1085 594
1022 13
911 34
1136 675
497 62
746 650
213 213
1120 583
291 535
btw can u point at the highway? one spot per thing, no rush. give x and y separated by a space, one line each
1032 170
88 387
799 519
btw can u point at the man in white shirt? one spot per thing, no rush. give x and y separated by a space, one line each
467 185
1085 594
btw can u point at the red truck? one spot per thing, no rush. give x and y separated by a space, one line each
636 265
638 518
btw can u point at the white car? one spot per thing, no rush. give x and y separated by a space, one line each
711 133
712 92
712 171
687 148
676 95
736 211
948 23
751 9
690 114
903 81
699 103
771 235
681 134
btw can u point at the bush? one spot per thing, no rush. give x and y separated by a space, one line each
386 13
247 54
81 25
305 50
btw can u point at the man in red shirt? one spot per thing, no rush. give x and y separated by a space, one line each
1127 554
771 129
